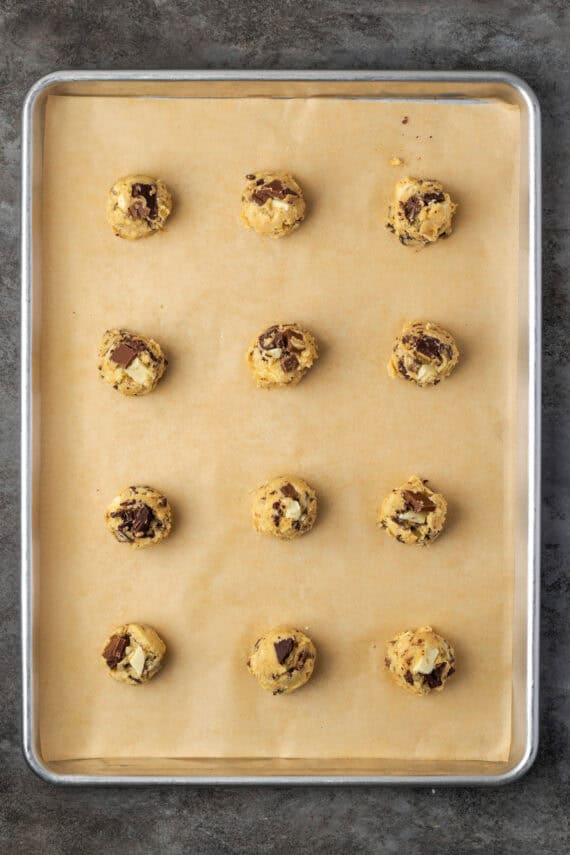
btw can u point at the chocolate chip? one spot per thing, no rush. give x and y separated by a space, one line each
289 362
418 502
115 650
391 227
412 207
386 662
283 648
250 177
289 491
408 678
433 197
405 120
428 346
148 192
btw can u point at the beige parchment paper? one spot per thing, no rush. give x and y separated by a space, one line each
207 437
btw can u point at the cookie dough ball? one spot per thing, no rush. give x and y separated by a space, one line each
282 660
420 660
285 507
272 204
138 206
140 516
420 212
413 513
424 353
134 653
130 362
282 355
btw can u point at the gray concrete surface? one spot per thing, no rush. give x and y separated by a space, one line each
525 37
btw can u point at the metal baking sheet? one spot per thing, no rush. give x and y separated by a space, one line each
370 85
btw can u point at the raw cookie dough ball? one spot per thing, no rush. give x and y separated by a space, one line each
420 211
285 507
140 516
132 363
134 653
413 513
424 353
137 206
282 660
272 204
282 355
420 660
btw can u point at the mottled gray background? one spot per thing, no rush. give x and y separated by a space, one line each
525 37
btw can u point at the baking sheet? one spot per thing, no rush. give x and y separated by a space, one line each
207 436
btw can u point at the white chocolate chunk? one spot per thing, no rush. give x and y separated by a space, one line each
426 372
413 516
427 662
137 660
275 352
138 372
277 203
293 510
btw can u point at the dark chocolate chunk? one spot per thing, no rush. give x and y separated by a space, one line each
433 197
402 369
429 346
418 502
289 491
148 192
283 648
135 520
408 678
289 362
412 207
115 650
433 680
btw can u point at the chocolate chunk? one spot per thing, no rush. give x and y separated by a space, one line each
402 369
272 190
250 177
138 211
289 362
433 197
418 501
289 491
408 678
148 192
115 650
283 648
142 518
433 680
429 346
134 520
123 354
412 207
451 671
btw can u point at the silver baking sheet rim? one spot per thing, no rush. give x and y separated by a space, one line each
400 85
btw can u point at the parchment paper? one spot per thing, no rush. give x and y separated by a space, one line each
207 437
